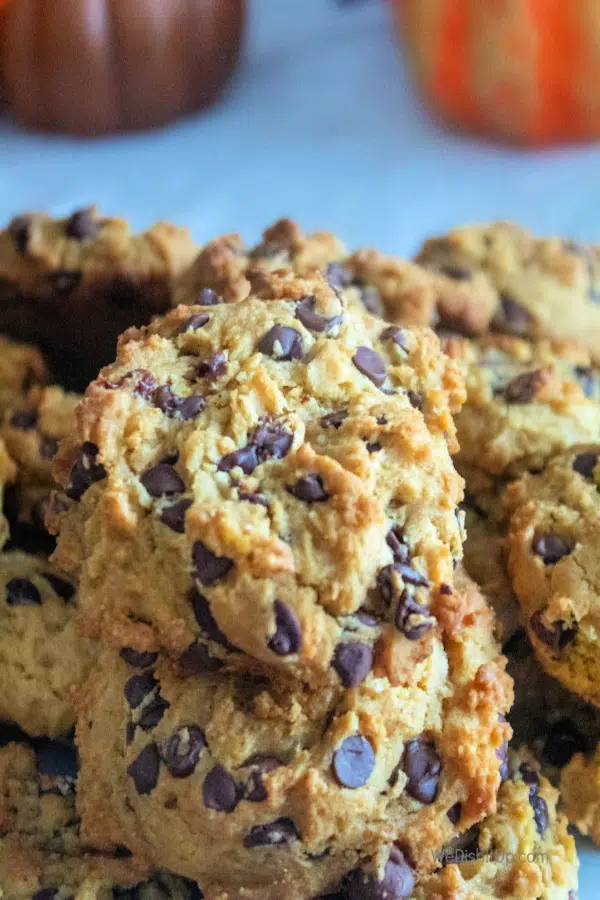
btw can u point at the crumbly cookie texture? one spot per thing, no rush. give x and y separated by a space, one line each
554 534
8 473
398 290
42 657
73 285
526 401
267 789
523 851
276 482
21 366
541 287
32 430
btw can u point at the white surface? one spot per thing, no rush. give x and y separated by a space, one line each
320 124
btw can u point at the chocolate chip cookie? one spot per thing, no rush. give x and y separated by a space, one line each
580 793
21 366
266 487
268 789
42 657
541 287
73 285
554 534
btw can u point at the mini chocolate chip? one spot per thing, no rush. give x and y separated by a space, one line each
585 463
398 881
206 620
282 343
85 472
24 419
366 619
198 320
144 383
337 276
208 567
152 713
313 321
530 776
219 790
22 592
373 447
353 662
288 632
144 769
409 616
253 497
246 459
212 368
138 659
416 399
138 687
422 767
411 576
60 586
370 364
48 447
197 659
540 813
309 488
260 764
502 754
353 762
397 335
551 548
175 407
395 541
564 740
162 481
512 317
334 419
83 225
183 750
268 441
280 833
585 376
524 387
19 229
454 813
445 590
173 516
208 297
557 637
456 271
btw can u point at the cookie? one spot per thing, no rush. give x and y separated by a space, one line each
266 788
31 431
398 290
542 287
580 793
21 366
276 482
526 401
554 534
73 285
42 657
8 472
523 851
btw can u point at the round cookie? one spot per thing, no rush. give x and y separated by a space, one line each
42 657
523 851
554 534
275 481
541 287
73 285
525 402
21 366
264 789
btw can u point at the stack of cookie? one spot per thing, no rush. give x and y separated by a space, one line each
294 689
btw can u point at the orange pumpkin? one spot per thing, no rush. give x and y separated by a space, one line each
97 66
527 71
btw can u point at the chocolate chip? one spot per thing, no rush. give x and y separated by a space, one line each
24 419
366 619
183 750
353 762
63 281
411 576
219 790
564 740
198 320
208 297
370 364
138 687
502 754
196 660
551 548
454 813
456 271
313 321
353 662
557 637
537 803
512 317
280 833
373 447
416 399
585 376
422 767
45 894
206 620
83 225
282 342
395 541
144 383
212 368
48 447
162 481
585 463
446 590
175 407
524 387
138 659
269 441
173 516
412 618
397 335
152 713
60 586
245 459
398 881
85 472
309 488
288 632
338 276
334 419
253 497
260 764
144 769
208 567
22 592
19 229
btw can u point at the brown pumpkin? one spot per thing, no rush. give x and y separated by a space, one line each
97 66
527 71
